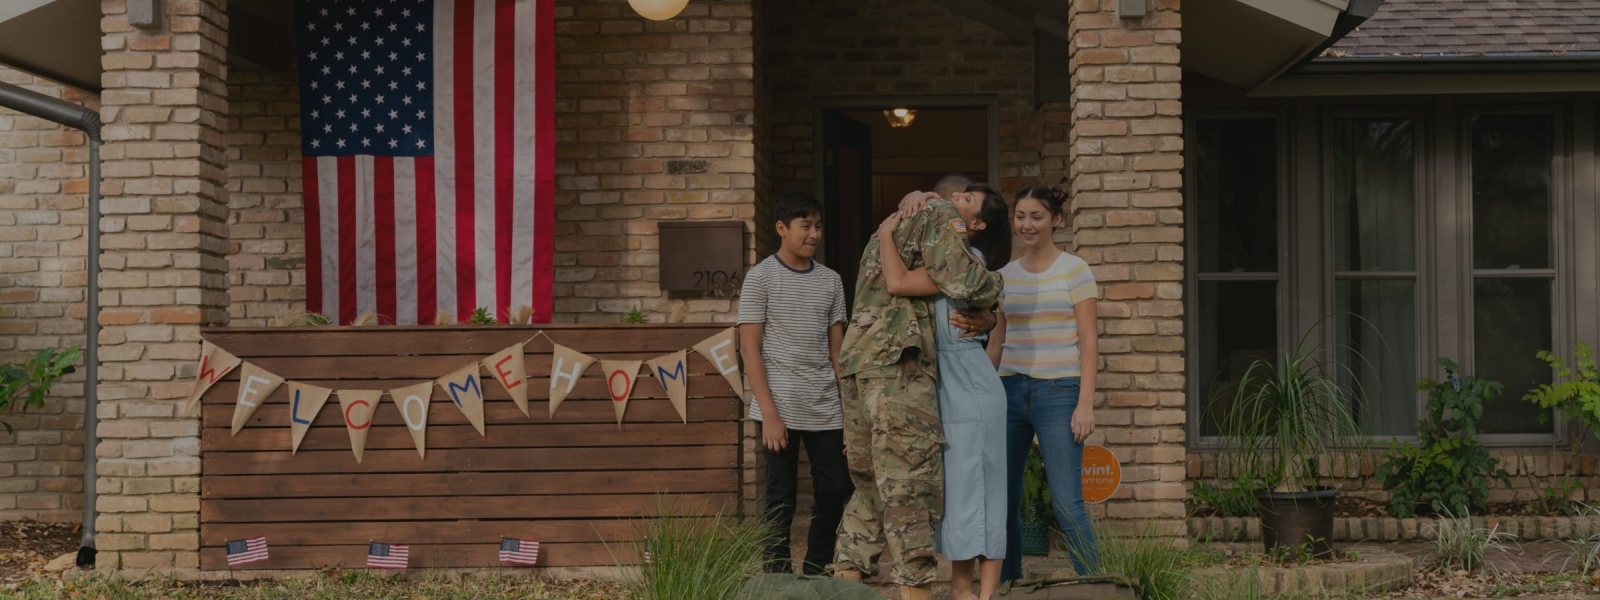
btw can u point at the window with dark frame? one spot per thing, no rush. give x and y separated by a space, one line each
1373 207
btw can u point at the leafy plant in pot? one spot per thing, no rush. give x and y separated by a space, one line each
1284 420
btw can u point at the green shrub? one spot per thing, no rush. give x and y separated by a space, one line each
1450 470
481 316
635 317
1234 499
1574 395
695 557
25 386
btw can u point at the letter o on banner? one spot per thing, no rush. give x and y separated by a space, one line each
352 424
405 411
1102 475
611 385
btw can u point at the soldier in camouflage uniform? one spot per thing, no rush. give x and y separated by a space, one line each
892 431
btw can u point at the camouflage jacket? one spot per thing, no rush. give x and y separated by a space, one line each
883 326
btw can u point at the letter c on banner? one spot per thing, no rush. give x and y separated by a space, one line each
352 424
611 385
405 411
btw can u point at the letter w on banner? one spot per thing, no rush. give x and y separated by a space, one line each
214 364
433 188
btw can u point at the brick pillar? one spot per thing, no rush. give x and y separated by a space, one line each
164 274
1125 162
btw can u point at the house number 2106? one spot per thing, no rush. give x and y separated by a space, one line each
716 279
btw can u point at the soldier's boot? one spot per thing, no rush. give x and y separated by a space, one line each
920 592
848 575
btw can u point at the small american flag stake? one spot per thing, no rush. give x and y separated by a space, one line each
244 552
388 556
518 551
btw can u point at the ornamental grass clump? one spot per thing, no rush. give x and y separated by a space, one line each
1460 545
694 557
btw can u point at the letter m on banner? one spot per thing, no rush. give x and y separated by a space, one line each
428 137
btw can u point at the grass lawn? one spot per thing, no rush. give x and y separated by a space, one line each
332 585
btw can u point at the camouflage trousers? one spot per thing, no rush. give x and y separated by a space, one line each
893 442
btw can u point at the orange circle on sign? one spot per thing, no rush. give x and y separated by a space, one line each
1102 475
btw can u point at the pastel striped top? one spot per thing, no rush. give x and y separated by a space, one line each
1041 323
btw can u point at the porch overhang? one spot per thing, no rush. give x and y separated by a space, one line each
1247 43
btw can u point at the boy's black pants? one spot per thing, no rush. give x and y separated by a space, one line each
831 487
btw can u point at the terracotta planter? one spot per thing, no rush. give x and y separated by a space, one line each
1292 519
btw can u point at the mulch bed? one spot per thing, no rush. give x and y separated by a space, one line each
26 546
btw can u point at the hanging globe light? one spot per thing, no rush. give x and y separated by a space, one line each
658 10
900 117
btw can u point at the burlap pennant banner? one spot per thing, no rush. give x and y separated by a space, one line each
508 368
465 389
724 357
214 364
357 407
620 376
672 371
566 366
305 401
255 385
413 401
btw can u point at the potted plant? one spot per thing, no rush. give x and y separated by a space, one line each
1286 418
1036 513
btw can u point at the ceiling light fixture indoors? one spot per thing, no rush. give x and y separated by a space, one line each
900 117
658 10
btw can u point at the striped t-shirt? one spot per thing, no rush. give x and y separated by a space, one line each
796 309
1041 323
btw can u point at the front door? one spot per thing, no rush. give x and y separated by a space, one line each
847 195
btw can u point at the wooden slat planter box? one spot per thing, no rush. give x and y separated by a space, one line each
575 482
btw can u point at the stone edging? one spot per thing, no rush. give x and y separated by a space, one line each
1392 529
1372 572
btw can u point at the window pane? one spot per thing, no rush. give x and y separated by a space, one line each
1511 323
1238 324
1237 194
1374 188
1511 164
1377 353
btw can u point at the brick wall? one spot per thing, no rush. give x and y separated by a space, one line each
823 48
266 228
1125 161
655 121
43 229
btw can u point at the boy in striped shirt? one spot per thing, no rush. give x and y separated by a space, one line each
791 326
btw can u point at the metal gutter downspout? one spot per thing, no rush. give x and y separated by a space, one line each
86 120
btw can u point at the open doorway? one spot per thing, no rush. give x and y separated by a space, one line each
868 165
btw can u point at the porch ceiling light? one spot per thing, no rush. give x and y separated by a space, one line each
900 117
658 10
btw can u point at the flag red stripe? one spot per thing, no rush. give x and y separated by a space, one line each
466 173
347 243
505 60
313 219
544 215
427 257
383 234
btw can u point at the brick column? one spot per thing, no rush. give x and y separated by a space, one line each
165 274
1125 162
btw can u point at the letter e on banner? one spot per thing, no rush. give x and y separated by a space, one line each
511 371
719 350
255 385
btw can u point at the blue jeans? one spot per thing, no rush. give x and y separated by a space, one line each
1044 407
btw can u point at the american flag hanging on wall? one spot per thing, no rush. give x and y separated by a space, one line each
428 144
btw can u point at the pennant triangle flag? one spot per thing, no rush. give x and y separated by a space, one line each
508 368
255 385
413 402
305 401
214 364
620 375
466 391
673 372
566 366
724 357
357 407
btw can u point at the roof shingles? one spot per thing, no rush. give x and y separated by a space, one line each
1422 28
